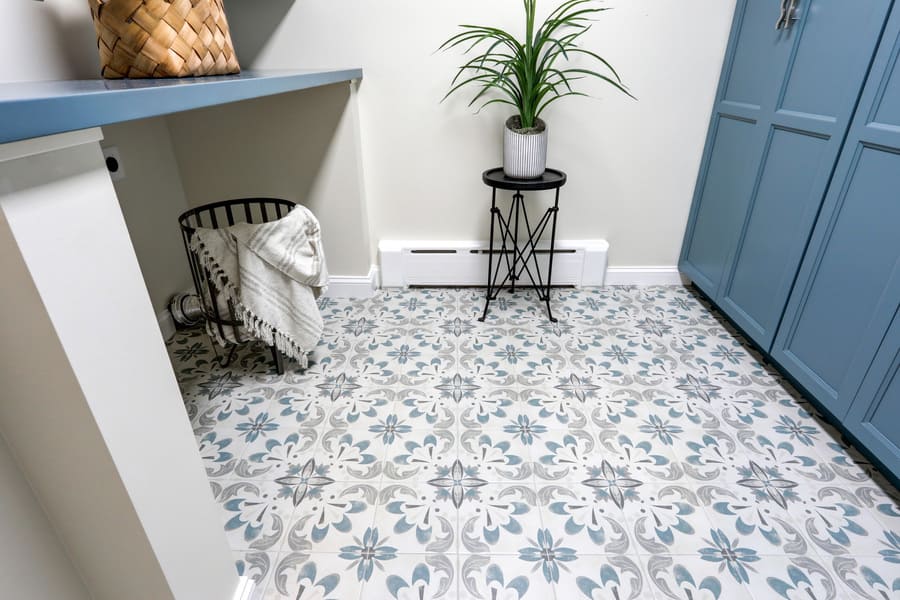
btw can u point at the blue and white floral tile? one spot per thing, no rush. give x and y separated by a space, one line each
426 407
548 339
497 456
647 459
518 437
415 577
554 408
256 566
419 455
414 308
231 402
712 455
270 449
303 406
710 576
667 519
334 386
848 464
837 521
565 459
500 577
590 576
328 513
591 514
351 455
793 460
489 369
885 507
362 407
791 577
869 576
620 409
319 376
506 309
302 576
638 429
220 452
483 407
255 514
494 518
757 510
421 516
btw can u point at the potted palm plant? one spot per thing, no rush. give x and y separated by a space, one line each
529 74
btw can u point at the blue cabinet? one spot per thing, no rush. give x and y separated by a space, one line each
848 288
795 228
874 417
785 100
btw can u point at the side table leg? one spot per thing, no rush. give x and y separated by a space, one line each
555 210
517 200
494 216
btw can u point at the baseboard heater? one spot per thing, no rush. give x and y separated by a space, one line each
463 264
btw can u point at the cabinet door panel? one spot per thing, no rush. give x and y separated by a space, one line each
839 38
874 417
767 260
824 77
752 73
759 55
720 209
848 287
755 203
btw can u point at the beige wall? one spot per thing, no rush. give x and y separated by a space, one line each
301 146
632 165
152 197
33 563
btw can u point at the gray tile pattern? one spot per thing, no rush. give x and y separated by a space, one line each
635 449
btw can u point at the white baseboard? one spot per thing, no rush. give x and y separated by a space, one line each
643 276
462 263
166 323
245 589
353 286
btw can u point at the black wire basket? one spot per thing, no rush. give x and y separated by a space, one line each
214 216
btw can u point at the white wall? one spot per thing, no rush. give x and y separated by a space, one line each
632 165
152 197
44 413
33 563
53 39
91 407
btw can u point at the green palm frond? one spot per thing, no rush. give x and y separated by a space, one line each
523 73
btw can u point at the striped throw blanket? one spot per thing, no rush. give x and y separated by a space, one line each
271 273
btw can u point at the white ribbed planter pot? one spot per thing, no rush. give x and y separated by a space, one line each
524 154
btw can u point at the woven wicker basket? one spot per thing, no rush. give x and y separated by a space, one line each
163 38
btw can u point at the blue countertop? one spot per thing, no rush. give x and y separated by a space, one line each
35 109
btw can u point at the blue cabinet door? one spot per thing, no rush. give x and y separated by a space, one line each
783 108
874 416
848 287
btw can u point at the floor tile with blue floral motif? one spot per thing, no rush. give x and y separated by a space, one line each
637 449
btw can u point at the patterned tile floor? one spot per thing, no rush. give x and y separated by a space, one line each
636 449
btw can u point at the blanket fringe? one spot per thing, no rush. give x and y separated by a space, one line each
257 327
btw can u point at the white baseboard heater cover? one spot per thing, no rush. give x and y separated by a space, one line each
416 263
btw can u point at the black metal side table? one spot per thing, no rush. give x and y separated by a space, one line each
523 254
